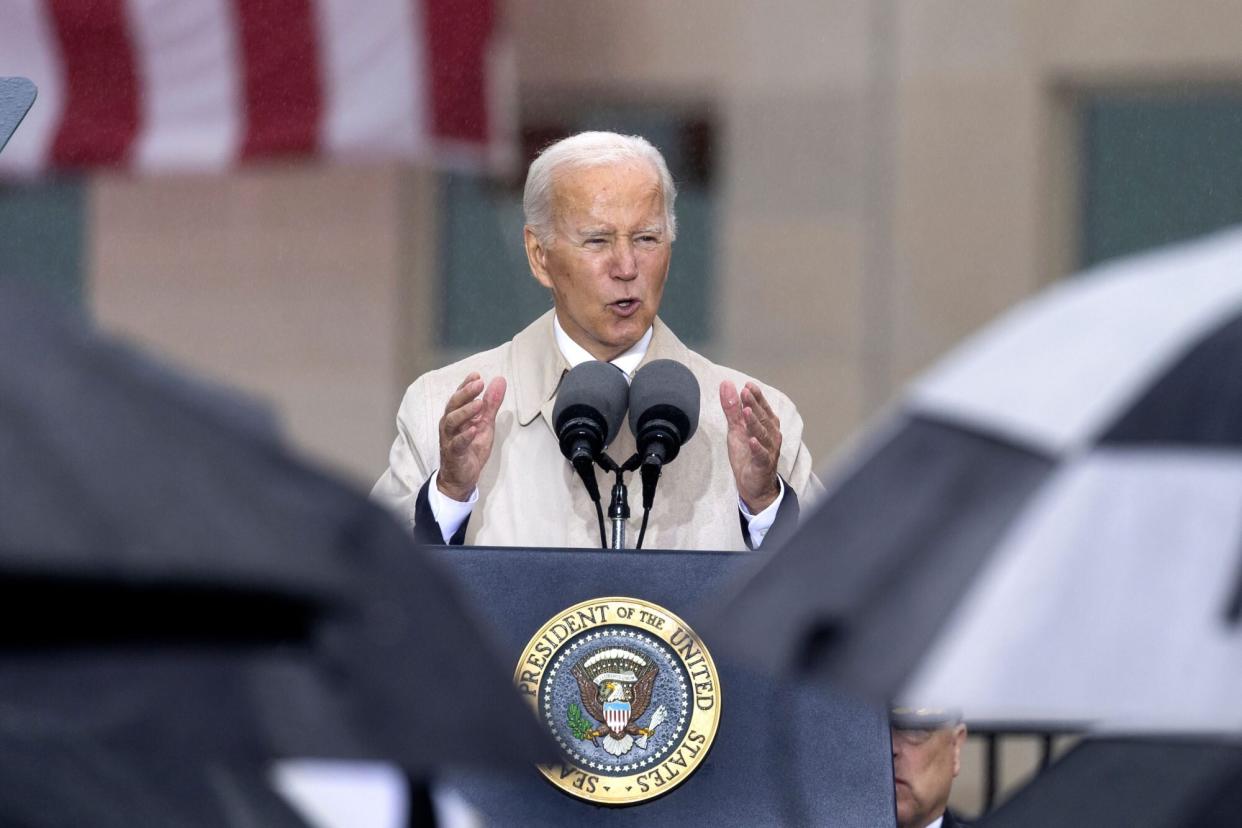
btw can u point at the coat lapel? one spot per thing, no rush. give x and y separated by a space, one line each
537 369
664 345
539 366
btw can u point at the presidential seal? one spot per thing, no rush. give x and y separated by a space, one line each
629 693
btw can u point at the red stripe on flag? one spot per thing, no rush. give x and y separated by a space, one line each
100 117
457 36
283 98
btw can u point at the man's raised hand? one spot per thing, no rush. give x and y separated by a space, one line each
467 431
754 442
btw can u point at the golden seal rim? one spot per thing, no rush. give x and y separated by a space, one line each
618 790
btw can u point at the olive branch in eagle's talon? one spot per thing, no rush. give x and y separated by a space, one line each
579 725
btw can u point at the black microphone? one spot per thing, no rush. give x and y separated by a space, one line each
590 407
664 413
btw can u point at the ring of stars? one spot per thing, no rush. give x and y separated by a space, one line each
587 640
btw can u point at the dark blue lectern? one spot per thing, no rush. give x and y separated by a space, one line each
783 755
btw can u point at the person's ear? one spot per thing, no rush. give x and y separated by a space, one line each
537 257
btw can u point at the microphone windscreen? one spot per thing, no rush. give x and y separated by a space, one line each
599 386
664 384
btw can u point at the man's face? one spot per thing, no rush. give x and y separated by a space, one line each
608 260
924 765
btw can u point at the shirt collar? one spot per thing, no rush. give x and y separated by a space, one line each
537 364
575 354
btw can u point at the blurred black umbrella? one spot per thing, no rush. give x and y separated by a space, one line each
172 579
50 780
1049 527
1131 782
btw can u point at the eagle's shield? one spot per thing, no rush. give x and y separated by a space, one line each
617 715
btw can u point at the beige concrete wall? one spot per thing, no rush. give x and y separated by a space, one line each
294 284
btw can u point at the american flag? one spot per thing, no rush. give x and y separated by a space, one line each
201 85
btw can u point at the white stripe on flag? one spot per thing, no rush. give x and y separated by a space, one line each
187 62
31 50
374 81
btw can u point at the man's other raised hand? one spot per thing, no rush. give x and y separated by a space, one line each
467 431
754 442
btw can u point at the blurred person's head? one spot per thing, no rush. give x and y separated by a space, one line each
927 755
599 232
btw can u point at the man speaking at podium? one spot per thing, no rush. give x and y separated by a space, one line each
477 460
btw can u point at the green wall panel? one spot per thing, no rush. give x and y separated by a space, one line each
1159 169
43 235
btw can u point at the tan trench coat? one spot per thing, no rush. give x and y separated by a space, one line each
529 494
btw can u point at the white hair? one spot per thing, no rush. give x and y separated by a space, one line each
590 149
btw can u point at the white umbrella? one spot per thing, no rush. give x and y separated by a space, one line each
1048 529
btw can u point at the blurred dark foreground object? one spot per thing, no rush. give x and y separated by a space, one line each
1122 782
1049 527
177 591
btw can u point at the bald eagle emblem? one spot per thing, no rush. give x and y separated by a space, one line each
615 685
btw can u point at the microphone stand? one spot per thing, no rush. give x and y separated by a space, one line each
619 503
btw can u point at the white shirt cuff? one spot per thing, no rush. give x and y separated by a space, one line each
451 514
758 525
